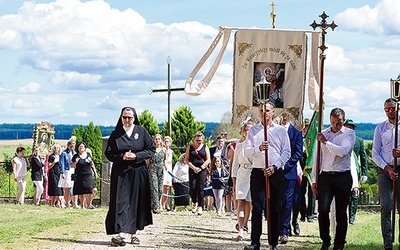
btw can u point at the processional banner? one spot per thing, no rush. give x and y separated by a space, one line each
273 57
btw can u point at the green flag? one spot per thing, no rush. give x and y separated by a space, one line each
310 142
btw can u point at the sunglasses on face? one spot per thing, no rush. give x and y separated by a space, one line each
127 117
390 109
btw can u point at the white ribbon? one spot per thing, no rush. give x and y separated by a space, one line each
202 85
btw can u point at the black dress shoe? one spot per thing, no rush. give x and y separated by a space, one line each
252 247
296 229
325 245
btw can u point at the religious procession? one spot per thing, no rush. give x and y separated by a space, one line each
284 171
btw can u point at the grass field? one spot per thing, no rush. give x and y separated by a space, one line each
32 227
8 146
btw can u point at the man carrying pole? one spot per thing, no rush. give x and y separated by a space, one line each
335 179
277 148
385 153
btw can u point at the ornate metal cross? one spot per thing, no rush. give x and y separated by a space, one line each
273 14
323 25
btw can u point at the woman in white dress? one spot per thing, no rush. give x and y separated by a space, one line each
243 166
167 181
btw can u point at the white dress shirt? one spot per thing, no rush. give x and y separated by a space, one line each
336 152
383 144
278 150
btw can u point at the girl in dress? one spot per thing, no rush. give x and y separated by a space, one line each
219 176
167 180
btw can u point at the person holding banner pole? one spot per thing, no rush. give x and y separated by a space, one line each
335 179
383 153
278 149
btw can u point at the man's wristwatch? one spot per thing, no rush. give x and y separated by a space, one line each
275 168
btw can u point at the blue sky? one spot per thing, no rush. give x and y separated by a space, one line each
73 62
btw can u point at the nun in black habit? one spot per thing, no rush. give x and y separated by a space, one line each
129 145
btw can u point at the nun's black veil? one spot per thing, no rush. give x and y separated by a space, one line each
119 123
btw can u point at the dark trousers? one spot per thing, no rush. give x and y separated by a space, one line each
306 209
287 204
297 201
385 185
336 185
196 183
257 189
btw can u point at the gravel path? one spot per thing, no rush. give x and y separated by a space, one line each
185 230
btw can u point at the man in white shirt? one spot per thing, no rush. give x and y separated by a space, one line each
335 179
383 151
278 147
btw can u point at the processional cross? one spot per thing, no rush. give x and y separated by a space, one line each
324 26
273 14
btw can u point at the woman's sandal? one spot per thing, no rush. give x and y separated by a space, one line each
118 241
135 240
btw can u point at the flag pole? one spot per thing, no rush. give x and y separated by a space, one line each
395 94
324 26
267 184
396 132
264 97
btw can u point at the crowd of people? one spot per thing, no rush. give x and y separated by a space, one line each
258 175
63 178
230 178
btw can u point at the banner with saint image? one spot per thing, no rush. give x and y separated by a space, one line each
269 64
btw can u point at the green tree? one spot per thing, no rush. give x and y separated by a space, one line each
183 125
147 121
79 133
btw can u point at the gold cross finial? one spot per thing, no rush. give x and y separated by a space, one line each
273 14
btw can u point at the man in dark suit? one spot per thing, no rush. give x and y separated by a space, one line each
362 170
290 176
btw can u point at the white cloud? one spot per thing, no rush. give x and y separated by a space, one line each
383 18
82 114
76 80
93 38
30 88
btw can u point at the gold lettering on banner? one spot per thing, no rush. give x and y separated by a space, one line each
265 50
297 49
243 47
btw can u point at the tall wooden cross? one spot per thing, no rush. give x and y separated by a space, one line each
324 26
168 90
